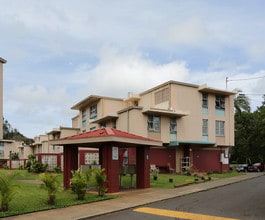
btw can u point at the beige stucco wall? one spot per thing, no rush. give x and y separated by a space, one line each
184 98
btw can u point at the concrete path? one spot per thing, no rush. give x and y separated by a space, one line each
128 199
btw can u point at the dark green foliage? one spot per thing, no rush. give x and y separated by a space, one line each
10 133
79 183
100 178
51 183
34 166
7 191
13 155
249 134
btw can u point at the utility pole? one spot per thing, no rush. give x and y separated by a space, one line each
226 81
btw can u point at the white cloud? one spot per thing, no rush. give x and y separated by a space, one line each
189 32
118 73
116 47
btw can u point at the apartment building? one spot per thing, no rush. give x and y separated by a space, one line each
195 123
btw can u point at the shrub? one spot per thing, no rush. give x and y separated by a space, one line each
100 178
52 184
7 191
34 166
79 183
57 169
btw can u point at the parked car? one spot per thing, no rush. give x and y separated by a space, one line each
256 167
242 168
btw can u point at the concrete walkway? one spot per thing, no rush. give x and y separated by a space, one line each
128 199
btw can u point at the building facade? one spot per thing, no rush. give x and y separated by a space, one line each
195 123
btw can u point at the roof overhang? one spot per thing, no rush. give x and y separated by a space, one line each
206 89
99 140
90 100
169 112
178 143
104 135
105 118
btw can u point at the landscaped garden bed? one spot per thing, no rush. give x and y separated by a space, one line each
30 197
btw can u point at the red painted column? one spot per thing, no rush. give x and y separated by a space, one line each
143 167
110 163
70 161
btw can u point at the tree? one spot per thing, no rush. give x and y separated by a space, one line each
249 134
13 134
241 102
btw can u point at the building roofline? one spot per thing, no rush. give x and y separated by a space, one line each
58 130
90 99
205 88
168 83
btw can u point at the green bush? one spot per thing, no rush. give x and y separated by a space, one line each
34 166
100 178
51 183
79 183
7 191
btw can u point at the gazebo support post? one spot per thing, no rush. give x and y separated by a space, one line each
110 162
143 167
70 161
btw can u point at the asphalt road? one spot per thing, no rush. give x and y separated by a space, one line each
243 200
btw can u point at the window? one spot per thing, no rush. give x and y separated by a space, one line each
93 111
102 125
153 123
2 148
205 127
173 125
83 118
204 100
219 128
162 96
114 123
219 102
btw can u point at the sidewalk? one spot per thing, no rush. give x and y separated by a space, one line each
128 199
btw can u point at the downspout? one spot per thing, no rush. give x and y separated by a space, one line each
128 121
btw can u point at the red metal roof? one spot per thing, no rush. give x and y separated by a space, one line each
107 132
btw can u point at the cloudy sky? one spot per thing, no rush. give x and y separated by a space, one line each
60 51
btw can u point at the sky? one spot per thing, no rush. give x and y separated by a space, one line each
59 52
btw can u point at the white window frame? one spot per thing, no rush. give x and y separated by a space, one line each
220 128
93 111
173 125
205 127
205 100
153 122
83 118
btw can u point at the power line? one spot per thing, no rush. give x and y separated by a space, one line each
250 78
258 77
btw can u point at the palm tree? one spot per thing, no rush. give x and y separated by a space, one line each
100 178
241 102
52 184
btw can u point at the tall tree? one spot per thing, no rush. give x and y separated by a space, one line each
10 133
241 102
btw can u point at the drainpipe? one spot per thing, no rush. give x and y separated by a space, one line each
128 119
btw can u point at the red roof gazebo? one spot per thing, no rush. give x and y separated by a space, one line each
108 141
